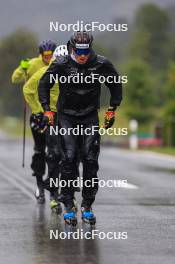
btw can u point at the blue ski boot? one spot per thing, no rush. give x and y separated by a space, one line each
87 215
70 216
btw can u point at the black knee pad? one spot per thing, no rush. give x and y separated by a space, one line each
90 168
38 163
68 166
53 163
52 157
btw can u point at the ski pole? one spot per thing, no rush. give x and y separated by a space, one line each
24 134
24 126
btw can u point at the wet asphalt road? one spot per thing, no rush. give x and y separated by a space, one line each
145 210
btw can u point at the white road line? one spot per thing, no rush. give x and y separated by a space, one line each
160 156
20 182
129 186
20 179
27 188
126 185
17 185
139 154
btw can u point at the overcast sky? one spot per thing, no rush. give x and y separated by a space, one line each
36 15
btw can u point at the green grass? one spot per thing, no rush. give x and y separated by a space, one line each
14 127
163 150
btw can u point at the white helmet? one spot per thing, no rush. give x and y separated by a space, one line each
60 50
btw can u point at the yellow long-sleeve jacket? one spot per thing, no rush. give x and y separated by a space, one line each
30 91
19 74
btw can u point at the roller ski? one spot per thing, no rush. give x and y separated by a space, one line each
70 216
39 195
55 205
87 216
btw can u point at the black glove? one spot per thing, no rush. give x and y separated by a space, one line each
36 121
44 123
109 118
48 119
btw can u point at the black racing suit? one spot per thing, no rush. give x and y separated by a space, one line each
38 159
77 105
46 150
53 158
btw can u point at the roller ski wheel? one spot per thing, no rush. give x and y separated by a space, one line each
39 195
55 206
87 216
70 217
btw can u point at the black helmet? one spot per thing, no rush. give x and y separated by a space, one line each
47 45
81 40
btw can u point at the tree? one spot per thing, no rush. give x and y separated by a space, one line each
169 108
170 84
152 37
169 124
16 46
139 92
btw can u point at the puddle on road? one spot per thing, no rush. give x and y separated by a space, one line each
55 251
